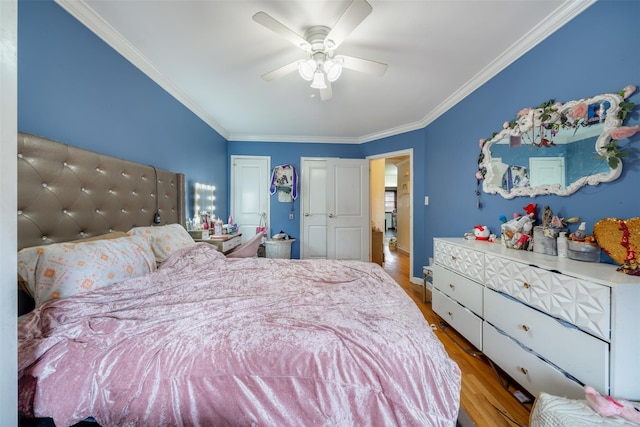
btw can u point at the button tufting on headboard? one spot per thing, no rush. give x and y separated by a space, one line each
67 193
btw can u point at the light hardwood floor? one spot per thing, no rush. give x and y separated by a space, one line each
486 392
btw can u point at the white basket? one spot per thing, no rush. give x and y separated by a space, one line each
279 248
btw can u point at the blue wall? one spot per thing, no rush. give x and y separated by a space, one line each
570 64
74 88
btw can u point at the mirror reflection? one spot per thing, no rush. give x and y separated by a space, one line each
562 161
555 148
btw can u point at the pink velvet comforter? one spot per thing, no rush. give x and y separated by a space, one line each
209 341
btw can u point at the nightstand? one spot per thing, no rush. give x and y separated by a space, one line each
224 242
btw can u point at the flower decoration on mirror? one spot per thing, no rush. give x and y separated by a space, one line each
538 127
480 174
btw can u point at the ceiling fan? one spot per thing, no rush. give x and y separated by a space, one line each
321 66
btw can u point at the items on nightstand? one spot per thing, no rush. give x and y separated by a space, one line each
217 226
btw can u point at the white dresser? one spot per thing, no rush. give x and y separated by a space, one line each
551 323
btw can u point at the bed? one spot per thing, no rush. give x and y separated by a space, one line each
182 335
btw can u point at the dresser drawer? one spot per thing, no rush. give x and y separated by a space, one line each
227 245
527 368
465 261
579 302
458 288
551 339
462 320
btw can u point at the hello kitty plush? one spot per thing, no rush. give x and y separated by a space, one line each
481 232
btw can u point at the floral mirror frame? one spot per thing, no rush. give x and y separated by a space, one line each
539 126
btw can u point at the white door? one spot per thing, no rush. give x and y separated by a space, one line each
250 177
335 206
314 207
546 171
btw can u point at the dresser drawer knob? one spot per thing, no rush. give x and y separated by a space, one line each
450 314
524 371
451 285
525 328
526 285
453 257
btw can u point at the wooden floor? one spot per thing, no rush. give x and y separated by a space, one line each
486 392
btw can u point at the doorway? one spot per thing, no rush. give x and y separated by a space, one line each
391 201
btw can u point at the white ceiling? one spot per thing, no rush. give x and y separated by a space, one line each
210 55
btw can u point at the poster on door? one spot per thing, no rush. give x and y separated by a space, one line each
284 181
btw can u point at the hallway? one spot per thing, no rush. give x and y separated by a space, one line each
483 396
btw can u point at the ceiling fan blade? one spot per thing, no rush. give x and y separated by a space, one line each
350 19
326 93
362 65
279 72
275 26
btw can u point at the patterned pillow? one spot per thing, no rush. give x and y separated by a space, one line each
66 269
165 239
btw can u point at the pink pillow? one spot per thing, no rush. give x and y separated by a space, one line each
65 269
165 239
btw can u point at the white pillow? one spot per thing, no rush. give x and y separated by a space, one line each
65 269
166 239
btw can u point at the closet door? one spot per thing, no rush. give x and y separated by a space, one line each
249 193
314 209
335 206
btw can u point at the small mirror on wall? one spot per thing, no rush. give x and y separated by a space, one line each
204 199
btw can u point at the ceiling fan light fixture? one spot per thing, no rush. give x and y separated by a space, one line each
318 81
307 69
333 70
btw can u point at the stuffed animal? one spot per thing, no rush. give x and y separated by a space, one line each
530 210
607 406
481 232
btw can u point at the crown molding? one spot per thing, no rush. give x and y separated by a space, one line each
558 18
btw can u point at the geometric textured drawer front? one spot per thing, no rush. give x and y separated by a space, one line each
581 303
467 262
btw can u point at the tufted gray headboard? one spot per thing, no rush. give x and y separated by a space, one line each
68 193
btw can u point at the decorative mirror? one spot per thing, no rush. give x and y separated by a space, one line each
557 148
203 199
